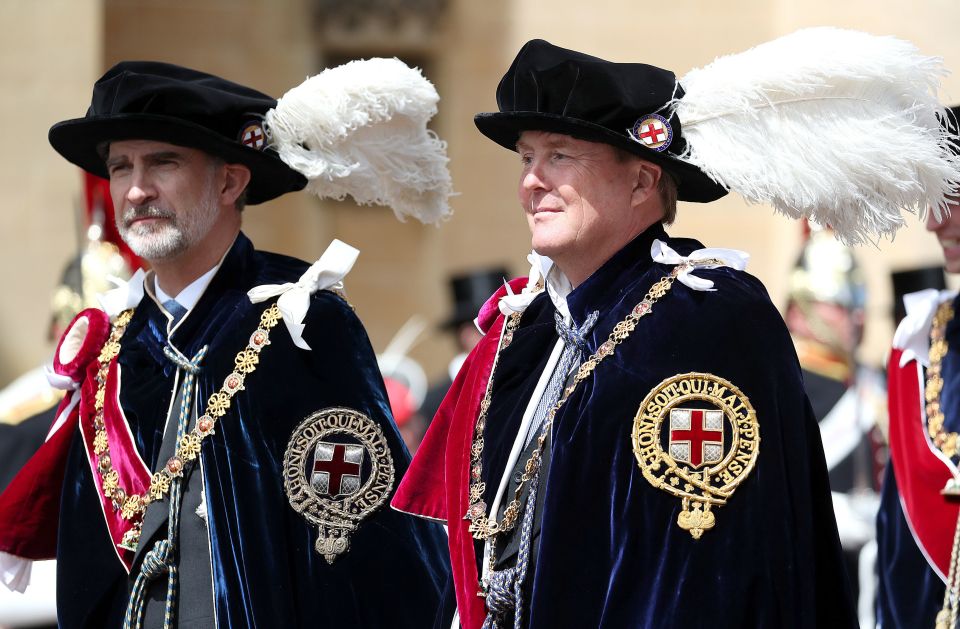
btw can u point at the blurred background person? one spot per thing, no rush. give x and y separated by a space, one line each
406 382
918 524
469 291
825 315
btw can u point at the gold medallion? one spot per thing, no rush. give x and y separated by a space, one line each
337 471
696 436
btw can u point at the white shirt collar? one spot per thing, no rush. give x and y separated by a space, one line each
558 286
190 295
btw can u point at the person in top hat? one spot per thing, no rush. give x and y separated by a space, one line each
630 444
919 516
226 448
469 292
906 281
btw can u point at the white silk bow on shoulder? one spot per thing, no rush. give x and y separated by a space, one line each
125 296
294 298
709 258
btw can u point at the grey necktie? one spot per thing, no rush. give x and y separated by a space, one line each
574 344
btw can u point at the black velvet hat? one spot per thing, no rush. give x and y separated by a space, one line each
549 88
906 281
148 100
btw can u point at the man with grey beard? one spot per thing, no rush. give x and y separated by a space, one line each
213 467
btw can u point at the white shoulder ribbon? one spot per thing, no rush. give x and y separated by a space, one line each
55 380
913 333
294 301
125 296
732 258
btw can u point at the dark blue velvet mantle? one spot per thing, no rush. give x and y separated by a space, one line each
266 572
611 553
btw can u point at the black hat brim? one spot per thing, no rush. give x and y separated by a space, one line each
505 128
80 141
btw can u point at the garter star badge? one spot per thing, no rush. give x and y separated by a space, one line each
696 436
337 471
653 131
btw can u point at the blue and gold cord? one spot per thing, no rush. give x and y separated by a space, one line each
162 558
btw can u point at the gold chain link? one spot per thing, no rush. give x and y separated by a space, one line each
946 441
483 527
131 505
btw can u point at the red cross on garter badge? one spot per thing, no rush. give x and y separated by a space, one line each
337 471
253 135
653 131
696 436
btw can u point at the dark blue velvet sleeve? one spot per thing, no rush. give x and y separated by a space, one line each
265 565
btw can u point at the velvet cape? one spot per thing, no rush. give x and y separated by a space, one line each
265 570
915 522
611 553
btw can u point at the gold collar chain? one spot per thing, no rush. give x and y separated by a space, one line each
945 441
130 505
483 527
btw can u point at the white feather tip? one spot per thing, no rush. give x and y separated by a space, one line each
360 129
838 126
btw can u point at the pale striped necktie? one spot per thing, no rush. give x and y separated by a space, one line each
175 309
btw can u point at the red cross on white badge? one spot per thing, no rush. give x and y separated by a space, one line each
252 136
653 131
696 436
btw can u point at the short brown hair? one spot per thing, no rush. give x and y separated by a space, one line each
667 188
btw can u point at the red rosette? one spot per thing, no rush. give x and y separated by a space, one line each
81 343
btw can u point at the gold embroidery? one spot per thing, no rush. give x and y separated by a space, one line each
320 445
696 456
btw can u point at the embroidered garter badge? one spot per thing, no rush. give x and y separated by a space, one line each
337 471
653 131
696 436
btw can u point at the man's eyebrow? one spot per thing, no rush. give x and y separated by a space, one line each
158 156
551 143
163 155
115 161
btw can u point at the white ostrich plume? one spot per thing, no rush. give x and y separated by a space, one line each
837 126
360 129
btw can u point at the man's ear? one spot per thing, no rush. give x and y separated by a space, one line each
646 181
235 180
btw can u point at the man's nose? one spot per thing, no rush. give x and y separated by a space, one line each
533 178
141 190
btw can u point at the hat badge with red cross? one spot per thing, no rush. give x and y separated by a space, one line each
253 136
652 131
